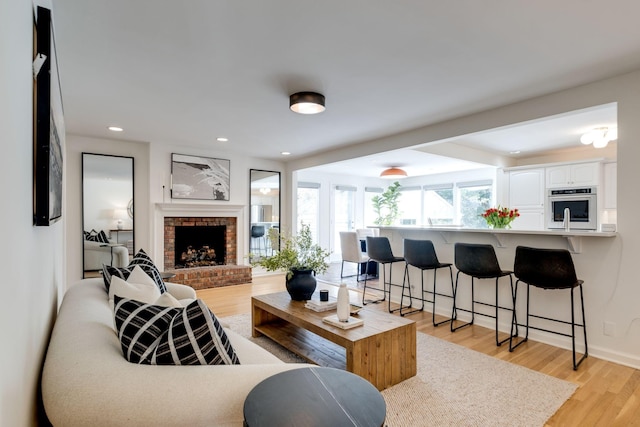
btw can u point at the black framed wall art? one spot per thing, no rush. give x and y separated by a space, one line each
48 124
197 177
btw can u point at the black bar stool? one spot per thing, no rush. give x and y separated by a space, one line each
379 250
421 254
480 262
550 269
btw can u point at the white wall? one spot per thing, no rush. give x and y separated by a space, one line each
31 258
608 266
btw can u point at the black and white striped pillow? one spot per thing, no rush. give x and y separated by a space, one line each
155 335
141 259
146 263
94 236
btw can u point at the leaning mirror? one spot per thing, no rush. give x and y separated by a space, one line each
107 212
265 211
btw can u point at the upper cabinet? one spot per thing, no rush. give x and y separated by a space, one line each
527 193
574 175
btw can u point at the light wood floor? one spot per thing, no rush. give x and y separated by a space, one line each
608 393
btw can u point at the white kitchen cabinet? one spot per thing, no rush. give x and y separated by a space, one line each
610 172
574 175
527 194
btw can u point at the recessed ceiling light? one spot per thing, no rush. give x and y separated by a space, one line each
285 153
222 139
115 129
514 152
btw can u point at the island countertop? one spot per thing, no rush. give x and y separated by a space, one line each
501 235
558 232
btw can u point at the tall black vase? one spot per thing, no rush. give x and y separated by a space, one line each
301 285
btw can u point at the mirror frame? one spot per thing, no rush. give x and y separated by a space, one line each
251 171
130 206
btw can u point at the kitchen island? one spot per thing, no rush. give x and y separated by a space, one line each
596 256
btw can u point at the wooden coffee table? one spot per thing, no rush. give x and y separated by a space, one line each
382 351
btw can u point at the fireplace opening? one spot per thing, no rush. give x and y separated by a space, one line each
200 246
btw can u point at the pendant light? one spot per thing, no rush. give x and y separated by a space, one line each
393 173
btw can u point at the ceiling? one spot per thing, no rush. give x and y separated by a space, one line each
185 73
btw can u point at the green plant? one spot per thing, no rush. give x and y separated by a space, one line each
386 205
296 253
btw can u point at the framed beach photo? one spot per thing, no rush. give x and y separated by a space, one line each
201 178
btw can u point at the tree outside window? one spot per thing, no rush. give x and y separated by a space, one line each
474 200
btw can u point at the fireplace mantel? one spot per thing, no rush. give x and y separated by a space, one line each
162 210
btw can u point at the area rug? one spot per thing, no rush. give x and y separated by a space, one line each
456 386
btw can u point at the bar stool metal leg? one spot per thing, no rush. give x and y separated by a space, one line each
407 279
435 293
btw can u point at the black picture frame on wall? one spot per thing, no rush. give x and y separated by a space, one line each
200 178
48 126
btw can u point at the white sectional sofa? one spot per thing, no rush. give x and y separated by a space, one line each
96 254
86 381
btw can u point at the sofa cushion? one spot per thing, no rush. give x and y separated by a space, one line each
168 300
94 236
140 259
156 335
146 263
138 286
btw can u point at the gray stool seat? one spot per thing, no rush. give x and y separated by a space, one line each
549 269
379 250
480 262
421 254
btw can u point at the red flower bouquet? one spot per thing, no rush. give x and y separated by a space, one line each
500 217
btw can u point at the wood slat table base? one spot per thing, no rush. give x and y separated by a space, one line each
382 351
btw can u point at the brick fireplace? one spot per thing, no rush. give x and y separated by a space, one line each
217 231
203 224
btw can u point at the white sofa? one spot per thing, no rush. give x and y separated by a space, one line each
86 381
96 254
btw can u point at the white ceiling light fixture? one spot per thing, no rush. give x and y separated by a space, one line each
306 103
222 139
393 173
599 137
115 129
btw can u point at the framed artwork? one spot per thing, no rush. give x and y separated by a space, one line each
48 124
202 178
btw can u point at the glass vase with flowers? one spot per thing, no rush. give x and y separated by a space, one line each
500 217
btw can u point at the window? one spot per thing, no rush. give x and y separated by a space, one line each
344 211
369 212
438 205
410 206
308 206
475 198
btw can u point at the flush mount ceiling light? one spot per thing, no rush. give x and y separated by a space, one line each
393 173
306 103
599 137
115 129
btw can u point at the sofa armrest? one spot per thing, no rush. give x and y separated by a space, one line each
180 291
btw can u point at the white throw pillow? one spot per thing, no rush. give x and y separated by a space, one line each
139 286
168 300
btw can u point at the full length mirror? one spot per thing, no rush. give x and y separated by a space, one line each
107 211
265 210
